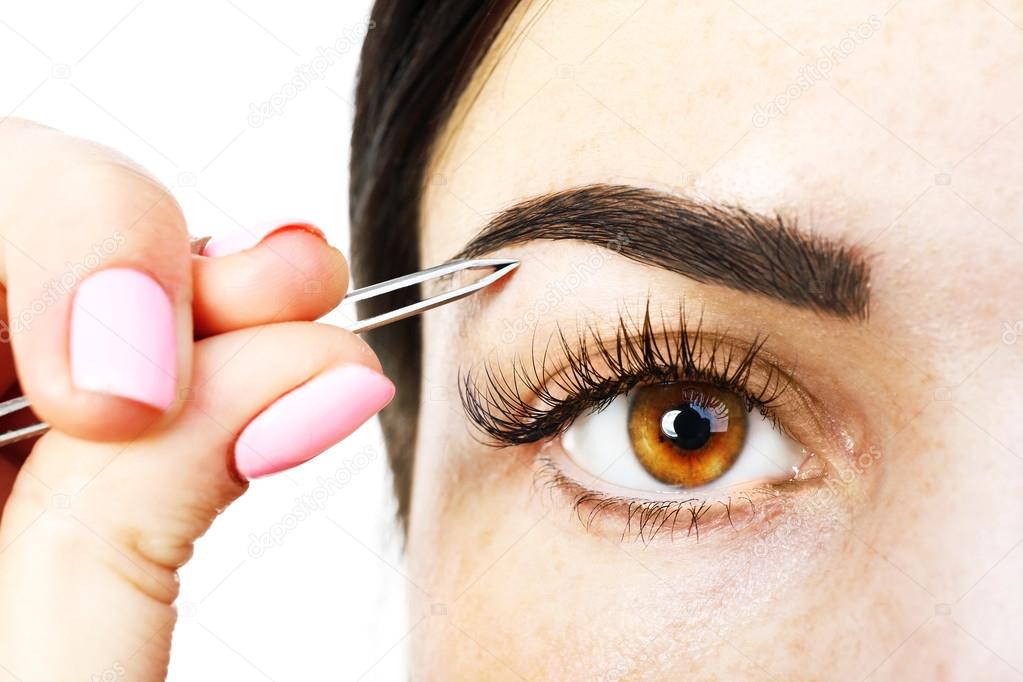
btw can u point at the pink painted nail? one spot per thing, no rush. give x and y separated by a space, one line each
249 237
311 418
123 337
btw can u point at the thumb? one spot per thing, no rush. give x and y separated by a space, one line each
94 532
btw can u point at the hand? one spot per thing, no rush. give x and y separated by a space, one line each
168 380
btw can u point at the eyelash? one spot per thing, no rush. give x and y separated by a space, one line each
527 406
651 517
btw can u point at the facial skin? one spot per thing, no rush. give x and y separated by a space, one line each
907 564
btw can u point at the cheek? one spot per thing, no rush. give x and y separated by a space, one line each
504 577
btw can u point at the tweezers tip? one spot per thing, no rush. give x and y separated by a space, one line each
510 263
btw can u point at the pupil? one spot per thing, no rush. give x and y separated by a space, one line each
687 426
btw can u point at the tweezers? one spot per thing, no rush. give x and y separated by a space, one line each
499 266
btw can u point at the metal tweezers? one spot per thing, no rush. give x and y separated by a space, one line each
499 266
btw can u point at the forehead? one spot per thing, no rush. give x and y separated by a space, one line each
892 123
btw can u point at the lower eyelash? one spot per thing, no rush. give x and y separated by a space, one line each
645 519
528 406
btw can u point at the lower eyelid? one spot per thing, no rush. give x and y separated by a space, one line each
686 516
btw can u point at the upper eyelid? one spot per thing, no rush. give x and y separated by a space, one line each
499 410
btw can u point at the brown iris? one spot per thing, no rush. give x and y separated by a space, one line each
686 434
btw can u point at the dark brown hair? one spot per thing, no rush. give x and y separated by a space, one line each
416 62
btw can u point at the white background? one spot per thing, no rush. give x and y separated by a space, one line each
173 84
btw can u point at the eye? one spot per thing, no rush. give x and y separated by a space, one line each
680 436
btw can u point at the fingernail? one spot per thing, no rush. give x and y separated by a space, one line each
311 418
249 237
198 244
122 337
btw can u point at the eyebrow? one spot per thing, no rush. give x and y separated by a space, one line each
708 242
